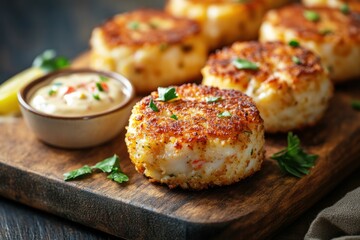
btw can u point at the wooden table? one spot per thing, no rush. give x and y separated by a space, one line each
28 28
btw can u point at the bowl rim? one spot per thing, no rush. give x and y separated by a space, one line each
24 91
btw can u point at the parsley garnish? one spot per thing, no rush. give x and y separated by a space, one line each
52 92
77 173
344 8
96 96
166 94
244 64
109 165
294 43
224 114
311 16
99 87
103 78
293 159
153 106
212 99
296 60
174 117
356 105
48 61
325 31
134 25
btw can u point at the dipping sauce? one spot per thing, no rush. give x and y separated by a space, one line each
78 94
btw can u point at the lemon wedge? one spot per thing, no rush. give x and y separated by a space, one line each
44 63
9 89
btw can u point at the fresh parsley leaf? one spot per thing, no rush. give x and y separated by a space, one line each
103 78
134 25
153 106
294 43
311 16
345 9
212 99
118 177
166 94
296 60
356 105
244 64
293 159
174 117
96 96
77 173
325 31
224 114
99 87
48 61
52 92
108 165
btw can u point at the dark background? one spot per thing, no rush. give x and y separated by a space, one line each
27 28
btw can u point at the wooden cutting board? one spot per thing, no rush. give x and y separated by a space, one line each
31 173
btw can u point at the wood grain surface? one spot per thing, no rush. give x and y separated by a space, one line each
31 173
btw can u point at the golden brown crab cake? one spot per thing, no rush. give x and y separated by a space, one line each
343 5
289 85
205 137
149 47
331 33
223 21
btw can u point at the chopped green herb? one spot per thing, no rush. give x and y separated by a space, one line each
294 43
118 177
77 173
224 114
153 106
134 25
212 99
99 87
356 105
96 96
103 78
109 165
48 61
311 16
345 9
296 60
166 94
174 117
244 64
293 159
52 92
325 31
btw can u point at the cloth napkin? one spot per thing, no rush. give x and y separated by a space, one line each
340 221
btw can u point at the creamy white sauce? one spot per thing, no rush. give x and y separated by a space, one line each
78 94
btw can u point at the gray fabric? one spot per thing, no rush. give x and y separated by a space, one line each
340 221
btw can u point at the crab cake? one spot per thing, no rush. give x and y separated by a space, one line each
224 21
149 47
331 33
343 5
288 84
205 137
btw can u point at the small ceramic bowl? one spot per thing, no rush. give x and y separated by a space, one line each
76 132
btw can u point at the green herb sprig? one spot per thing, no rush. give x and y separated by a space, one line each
166 94
109 165
244 64
48 61
153 106
293 159
311 16
224 114
355 104
212 99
